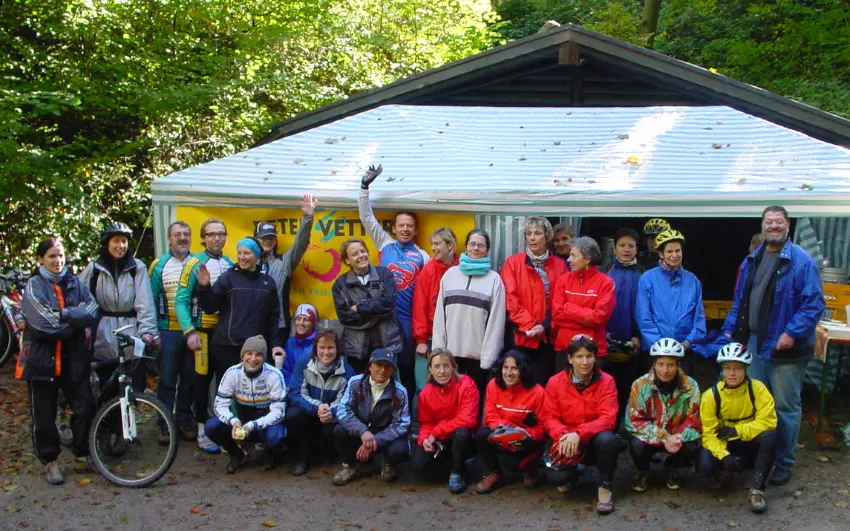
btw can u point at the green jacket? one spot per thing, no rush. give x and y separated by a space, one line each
186 304
652 417
159 299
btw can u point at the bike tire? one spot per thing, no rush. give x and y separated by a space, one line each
99 427
7 342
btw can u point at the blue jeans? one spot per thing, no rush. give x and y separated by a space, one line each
785 382
221 434
176 374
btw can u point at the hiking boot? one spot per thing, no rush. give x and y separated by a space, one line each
641 481
164 438
674 482
346 474
605 503
236 462
387 471
206 444
491 482
187 432
780 476
457 483
758 504
299 468
269 461
531 476
53 474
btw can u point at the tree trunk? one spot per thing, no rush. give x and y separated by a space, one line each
649 23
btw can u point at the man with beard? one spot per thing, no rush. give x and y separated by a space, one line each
176 362
778 302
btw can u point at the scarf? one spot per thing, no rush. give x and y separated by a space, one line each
581 383
539 263
666 388
325 370
51 276
377 390
474 267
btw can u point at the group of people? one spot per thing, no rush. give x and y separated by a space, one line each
540 365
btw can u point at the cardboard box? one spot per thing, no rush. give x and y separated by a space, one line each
836 296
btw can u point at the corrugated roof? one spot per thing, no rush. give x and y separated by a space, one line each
682 161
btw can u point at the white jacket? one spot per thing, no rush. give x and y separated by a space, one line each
260 401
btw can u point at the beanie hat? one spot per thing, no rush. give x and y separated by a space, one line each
255 344
309 310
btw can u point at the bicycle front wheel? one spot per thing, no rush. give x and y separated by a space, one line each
139 461
7 341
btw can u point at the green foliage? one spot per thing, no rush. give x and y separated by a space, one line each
98 97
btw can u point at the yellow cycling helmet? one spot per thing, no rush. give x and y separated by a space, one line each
667 236
655 226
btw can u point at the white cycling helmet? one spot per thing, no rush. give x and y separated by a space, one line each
735 352
667 346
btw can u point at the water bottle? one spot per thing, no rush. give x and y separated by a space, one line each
202 356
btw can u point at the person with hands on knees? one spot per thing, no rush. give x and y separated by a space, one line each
512 427
470 313
738 425
448 414
404 259
364 298
255 392
300 345
444 248
530 278
317 384
374 417
579 412
663 415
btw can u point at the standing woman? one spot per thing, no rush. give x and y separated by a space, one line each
580 410
364 297
470 314
584 300
444 248
58 308
529 279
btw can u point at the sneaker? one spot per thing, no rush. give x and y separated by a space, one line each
531 476
491 482
673 480
641 481
387 471
346 474
53 474
164 438
236 462
457 483
758 504
206 444
780 476
299 468
187 432
605 503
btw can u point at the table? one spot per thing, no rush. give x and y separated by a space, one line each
828 331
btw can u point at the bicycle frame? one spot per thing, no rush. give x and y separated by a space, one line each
128 414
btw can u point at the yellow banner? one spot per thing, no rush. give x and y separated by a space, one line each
321 265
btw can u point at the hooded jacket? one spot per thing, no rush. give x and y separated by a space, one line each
512 407
297 349
443 409
582 303
669 304
259 401
736 404
388 421
588 413
525 296
309 388
425 298
623 322
652 418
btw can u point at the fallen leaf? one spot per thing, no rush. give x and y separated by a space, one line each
671 504
195 510
84 482
823 459
390 179
622 137
742 180
556 143
522 158
798 493
718 122
11 510
841 505
269 523
734 524
844 492
717 146
634 160
298 161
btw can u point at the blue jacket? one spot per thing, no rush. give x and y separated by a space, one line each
797 303
309 388
388 421
623 322
296 350
669 304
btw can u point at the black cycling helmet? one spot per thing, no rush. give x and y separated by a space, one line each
115 228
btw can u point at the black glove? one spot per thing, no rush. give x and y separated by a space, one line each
726 433
732 463
370 176
530 419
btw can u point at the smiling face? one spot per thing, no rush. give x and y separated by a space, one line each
671 254
562 243
476 247
441 249
582 362
441 369
357 258
734 373
510 372
303 325
666 368
54 259
117 246
179 240
252 360
215 236
246 258
775 228
326 350
578 262
625 249
404 228
381 371
268 243
535 239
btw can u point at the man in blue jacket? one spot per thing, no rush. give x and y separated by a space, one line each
778 303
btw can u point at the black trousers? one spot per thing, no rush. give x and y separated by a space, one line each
304 429
642 454
489 453
221 358
757 454
624 373
472 368
457 449
545 362
602 451
45 436
397 451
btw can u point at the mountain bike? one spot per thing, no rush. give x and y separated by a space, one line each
127 438
13 325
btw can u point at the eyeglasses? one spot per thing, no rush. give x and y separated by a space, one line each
216 234
475 245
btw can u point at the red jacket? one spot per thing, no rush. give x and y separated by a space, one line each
582 303
511 406
444 409
593 411
425 299
525 297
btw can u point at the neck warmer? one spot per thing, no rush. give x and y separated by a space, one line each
581 383
474 267
666 388
51 276
377 390
327 369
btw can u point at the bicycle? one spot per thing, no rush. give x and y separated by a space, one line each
124 435
14 324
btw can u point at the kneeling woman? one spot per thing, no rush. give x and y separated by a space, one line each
663 415
448 414
579 411
316 387
513 413
255 391
374 416
738 425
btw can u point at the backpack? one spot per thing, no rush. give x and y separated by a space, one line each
716 392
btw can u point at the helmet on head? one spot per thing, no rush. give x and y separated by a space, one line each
114 229
667 236
655 226
734 352
509 438
667 346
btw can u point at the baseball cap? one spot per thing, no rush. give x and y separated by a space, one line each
264 228
382 354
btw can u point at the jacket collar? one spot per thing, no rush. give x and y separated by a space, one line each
351 276
784 253
683 383
340 370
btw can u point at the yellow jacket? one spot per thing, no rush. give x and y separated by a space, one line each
736 404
